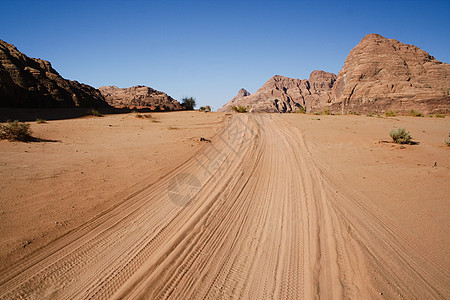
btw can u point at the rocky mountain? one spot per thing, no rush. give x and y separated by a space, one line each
237 100
379 74
139 96
33 83
284 94
383 74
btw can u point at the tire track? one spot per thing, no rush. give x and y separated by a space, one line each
268 221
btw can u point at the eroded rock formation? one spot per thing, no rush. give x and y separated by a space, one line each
32 83
379 74
139 96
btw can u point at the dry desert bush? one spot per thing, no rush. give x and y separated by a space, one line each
400 136
239 109
15 131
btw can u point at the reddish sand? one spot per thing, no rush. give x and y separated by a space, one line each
273 206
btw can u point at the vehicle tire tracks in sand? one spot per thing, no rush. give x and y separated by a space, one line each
254 215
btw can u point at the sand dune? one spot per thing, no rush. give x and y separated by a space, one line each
258 213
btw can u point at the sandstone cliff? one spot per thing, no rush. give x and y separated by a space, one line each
284 94
30 82
379 74
383 74
140 97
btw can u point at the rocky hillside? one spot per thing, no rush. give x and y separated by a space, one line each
284 94
379 74
33 83
139 96
383 74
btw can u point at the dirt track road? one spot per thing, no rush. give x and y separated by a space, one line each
254 215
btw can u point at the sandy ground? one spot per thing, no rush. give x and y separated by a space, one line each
50 188
401 181
276 206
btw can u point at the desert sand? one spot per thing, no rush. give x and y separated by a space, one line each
272 207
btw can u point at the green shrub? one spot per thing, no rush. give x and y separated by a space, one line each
239 109
414 113
400 136
439 115
93 112
41 121
15 131
390 113
447 141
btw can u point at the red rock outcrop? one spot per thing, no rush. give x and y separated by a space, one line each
284 94
383 74
139 96
379 74
33 83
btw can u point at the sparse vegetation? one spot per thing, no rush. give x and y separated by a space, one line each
439 115
188 103
400 136
326 111
93 112
206 108
447 141
41 121
353 113
15 131
301 110
414 113
239 109
390 113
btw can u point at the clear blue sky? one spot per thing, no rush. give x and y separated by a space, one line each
211 49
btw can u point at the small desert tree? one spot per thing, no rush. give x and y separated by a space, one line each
188 103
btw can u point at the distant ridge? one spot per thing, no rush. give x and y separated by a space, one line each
139 96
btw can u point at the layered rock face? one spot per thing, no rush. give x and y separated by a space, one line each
383 74
33 83
140 97
284 94
379 74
